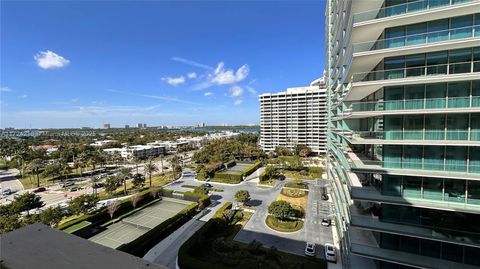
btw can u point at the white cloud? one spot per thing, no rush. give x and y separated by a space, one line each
208 94
191 63
174 81
5 89
23 96
221 76
236 91
251 90
192 75
50 60
238 102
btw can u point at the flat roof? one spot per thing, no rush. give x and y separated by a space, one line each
42 247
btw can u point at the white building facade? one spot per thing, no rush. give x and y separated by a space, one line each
297 116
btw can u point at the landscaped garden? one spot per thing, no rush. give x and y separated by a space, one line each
285 217
212 247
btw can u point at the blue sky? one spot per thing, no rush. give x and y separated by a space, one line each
85 63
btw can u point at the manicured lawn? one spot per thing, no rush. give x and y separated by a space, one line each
77 226
294 193
288 226
297 184
300 175
299 203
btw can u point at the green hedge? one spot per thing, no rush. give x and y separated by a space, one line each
228 178
140 246
252 168
203 200
185 260
315 169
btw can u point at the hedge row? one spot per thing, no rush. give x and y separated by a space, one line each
140 246
252 168
185 260
228 178
203 200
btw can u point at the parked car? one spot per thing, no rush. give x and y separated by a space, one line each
281 177
7 192
310 249
326 222
74 189
208 185
324 197
330 253
41 189
67 184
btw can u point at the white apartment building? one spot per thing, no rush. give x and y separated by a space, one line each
297 116
139 151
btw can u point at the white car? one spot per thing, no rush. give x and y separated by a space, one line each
310 249
330 253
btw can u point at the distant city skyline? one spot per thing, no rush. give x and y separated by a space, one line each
75 64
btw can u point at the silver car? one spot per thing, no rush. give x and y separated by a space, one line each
330 253
310 249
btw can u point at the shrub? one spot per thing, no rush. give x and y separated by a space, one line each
284 226
281 210
297 193
203 200
252 168
228 178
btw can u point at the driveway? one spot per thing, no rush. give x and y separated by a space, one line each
294 243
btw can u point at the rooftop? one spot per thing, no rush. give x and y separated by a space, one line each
41 247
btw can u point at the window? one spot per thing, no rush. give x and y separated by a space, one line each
395 37
415 65
435 94
454 190
438 30
434 127
461 27
412 187
457 127
416 34
432 188
460 61
393 127
392 156
437 63
459 94
473 192
413 128
433 158
414 95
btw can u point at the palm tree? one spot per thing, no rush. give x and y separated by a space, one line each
123 174
81 162
94 181
150 168
176 164
116 157
35 166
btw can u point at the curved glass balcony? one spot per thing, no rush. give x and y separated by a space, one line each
420 167
405 8
455 135
417 39
410 104
420 71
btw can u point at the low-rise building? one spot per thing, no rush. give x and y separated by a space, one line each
141 152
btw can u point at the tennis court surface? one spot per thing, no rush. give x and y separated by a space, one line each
135 225
238 168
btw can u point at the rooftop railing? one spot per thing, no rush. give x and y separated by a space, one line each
439 167
420 71
418 39
405 8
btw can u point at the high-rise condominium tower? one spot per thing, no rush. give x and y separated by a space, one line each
404 131
297 116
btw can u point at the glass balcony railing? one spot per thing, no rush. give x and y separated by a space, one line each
418 71
454 135
440 167
405 8
409 104
417 39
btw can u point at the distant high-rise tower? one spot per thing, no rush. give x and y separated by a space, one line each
140 125
106 126
404 131
127 126
297 116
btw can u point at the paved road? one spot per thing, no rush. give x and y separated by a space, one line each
165 253
9 181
